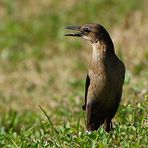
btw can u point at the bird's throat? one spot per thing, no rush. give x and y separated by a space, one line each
99 51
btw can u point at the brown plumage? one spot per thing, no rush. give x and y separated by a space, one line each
105 77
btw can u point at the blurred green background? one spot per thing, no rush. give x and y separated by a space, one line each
39 66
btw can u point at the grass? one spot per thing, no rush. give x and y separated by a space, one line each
40 67
34 130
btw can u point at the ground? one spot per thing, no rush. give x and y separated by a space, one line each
42 73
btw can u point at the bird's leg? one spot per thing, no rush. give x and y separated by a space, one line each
108 125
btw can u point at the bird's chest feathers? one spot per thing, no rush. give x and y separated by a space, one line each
98 53
97 64
97 67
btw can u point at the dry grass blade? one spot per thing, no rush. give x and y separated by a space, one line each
46 115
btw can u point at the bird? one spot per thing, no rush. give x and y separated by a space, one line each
104 79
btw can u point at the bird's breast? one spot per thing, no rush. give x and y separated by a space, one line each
102 83
98 84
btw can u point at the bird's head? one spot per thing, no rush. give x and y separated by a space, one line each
91 32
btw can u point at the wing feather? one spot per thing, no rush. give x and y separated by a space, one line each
87 83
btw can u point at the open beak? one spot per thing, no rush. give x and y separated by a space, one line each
77 28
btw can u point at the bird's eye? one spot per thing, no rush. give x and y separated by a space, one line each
86 30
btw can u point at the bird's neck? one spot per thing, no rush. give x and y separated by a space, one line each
101 51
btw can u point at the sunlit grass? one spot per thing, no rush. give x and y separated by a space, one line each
30 129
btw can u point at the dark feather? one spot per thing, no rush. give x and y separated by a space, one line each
94 118
86 90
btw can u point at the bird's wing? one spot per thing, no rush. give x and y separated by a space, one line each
86 90
115 105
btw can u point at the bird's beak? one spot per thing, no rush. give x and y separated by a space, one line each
77 28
